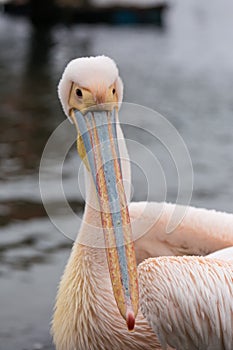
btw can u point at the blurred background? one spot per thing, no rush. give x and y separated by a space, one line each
175 57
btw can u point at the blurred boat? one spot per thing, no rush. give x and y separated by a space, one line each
92 12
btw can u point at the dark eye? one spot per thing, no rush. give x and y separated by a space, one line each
113 91
79 93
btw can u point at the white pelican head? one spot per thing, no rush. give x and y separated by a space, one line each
89 81
90 92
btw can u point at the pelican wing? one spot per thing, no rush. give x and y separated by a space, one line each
197 232
188 301
225 254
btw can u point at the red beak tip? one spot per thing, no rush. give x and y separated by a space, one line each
130 320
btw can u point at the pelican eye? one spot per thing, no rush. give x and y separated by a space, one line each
79 93
113 91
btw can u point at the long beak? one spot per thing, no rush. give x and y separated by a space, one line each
98 132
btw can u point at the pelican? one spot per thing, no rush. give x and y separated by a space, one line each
178 297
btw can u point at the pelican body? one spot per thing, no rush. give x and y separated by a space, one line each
104 301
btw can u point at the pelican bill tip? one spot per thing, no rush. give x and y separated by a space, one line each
130 320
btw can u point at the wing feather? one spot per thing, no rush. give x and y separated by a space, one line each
188 301
200 232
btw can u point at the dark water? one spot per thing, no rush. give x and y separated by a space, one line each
184 71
